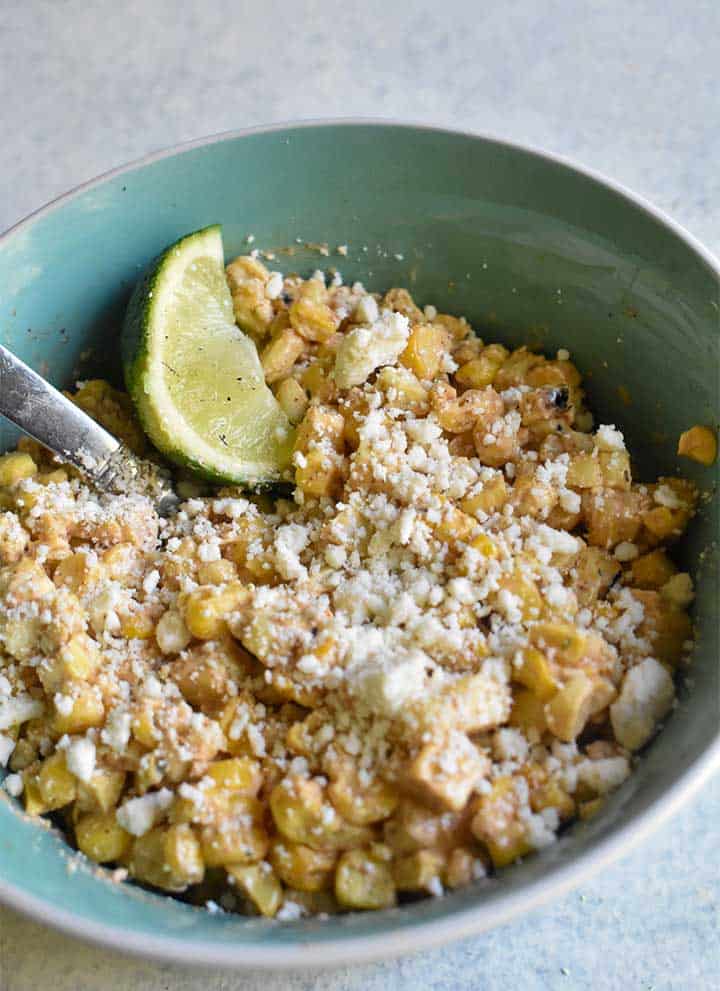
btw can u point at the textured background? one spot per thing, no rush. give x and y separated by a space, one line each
629 87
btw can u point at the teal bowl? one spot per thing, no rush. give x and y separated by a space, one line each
528 247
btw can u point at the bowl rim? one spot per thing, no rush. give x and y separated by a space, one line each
310 954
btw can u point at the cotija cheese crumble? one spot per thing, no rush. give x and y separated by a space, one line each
443 644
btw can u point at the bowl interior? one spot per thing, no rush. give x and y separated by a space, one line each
529 250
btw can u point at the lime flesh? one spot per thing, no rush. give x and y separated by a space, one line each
195 377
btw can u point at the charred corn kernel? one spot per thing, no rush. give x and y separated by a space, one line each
302 814
568 711
418 871
564 641
458 327
240 838
292 398
612 516
596 570
475 409
303 868
313 320
171 632
243 268
516 368
364 881
281 354
401 301
490 499
534 672
14 467
321 426
497 824
57 785
528 712
584 472
168 858
661 522
425 350
87 711
699 444
362 805
207 609
615 469
101 793
101 838
652 570
239 774
260 884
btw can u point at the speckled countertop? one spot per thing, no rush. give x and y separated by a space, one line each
629 87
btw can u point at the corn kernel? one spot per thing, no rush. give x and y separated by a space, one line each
424 351
57 785
417 871
260 884
101 838
568 711
535 674
292 398
302 867
14 467
364 881
699 444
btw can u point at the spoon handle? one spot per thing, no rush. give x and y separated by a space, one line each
38 409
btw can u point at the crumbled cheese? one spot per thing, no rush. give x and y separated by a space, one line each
138 815
116 731
80 758
14 785
646 696
19 710
274 285
608 438
603 775
364 349
626 551
664 496
7 745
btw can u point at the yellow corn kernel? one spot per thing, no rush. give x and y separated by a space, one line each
531 497
497 825
57 785
652 570
445 771
528 712
32 799
613 516
243 268
137 625
534 672
526 591
564 641
402 389
424 351
302 814
87 711
207 609
364 880
584 472
362 804
321 474
171 633
596 571
490 499
615 469
239 774
240 838
475 409
303 868
454 525
169 858
76 660
678 591
516 369
481 371
260 884
484 545
281 354
101 792
458 327
143 727
586 810
54 477
15 466
417 871
313 320
462 867
699 444
101 838
77 572
292 398
569 710
217 572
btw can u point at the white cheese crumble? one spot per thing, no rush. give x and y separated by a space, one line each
138 815
364 349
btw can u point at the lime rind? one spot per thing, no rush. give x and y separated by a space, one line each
195 377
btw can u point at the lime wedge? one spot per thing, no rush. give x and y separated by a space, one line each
195 377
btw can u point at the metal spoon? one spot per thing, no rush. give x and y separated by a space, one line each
38 409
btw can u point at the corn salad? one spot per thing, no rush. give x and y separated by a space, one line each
445 644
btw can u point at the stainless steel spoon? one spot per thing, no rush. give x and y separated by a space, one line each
39 410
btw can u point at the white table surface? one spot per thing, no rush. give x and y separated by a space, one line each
630 87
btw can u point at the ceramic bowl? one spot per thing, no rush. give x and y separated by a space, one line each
528 247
